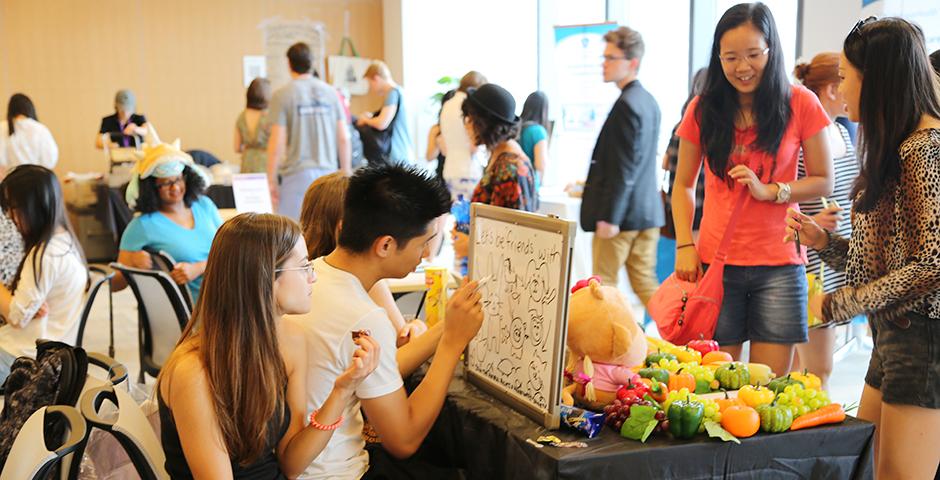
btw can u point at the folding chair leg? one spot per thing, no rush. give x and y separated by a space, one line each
110 318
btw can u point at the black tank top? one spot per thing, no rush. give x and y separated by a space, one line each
265 468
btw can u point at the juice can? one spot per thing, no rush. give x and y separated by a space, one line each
435 302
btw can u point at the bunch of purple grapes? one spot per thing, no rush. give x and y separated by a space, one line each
619 411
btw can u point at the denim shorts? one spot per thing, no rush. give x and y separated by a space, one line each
905 363
763 304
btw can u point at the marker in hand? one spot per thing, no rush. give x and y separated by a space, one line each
482 282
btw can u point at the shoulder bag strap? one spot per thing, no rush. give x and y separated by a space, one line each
722 252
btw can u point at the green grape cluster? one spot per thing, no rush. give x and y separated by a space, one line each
672 366
701 373
802 400
711 408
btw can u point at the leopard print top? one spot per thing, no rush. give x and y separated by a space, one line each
892 261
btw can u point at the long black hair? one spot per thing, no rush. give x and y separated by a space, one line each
719 103
149 199
535 110
32 196
899 87
19 105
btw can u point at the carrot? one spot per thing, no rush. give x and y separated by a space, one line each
832 413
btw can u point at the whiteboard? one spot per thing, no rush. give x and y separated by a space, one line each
518 353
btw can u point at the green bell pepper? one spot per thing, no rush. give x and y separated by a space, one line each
652 373
685 417
779 383
775 418
732 375
654 358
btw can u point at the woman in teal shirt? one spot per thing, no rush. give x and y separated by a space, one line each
533 136
175 217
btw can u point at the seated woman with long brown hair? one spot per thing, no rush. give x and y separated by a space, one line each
233 394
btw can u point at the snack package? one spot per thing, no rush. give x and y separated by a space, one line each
435 304
585 421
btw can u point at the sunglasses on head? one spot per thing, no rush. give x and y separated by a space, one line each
857 29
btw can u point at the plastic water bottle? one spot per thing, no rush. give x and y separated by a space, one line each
461 212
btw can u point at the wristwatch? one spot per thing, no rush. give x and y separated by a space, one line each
783 192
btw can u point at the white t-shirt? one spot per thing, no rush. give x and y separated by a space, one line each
340 305
31 143
61 285
460 163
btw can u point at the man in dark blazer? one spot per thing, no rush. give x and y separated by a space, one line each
621 201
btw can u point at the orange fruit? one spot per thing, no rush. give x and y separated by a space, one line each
717 356
741 421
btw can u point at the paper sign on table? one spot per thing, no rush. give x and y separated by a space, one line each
251 193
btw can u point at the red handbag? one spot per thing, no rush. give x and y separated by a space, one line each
686 311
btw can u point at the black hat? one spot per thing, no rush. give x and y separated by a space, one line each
496 101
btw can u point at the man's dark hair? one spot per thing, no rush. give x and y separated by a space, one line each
149 199
300 58
391 200
489 130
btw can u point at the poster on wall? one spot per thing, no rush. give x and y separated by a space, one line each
279 35
346 73
583 98
253 67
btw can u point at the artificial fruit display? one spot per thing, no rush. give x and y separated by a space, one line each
732 375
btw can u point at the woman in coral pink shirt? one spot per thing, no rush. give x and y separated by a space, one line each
747 128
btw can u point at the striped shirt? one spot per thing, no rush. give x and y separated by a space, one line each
844 171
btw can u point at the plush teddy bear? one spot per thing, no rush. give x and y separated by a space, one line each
603 341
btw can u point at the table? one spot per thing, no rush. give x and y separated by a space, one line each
481 435
227 213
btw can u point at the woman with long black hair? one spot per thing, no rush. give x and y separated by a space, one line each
45 299
892 261
534 132
749 125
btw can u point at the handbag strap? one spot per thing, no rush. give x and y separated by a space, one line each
729 230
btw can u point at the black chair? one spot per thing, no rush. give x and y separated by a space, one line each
165 262
162 315
30 457
104 277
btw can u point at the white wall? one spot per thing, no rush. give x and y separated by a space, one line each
450 37
826 23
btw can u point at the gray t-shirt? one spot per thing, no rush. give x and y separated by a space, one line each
401 140
309 109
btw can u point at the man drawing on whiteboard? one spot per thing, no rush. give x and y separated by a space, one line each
388 221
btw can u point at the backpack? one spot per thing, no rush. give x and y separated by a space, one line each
55 377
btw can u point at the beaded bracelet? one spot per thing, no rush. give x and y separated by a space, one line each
327 428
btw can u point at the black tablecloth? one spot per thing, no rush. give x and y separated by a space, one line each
488 440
